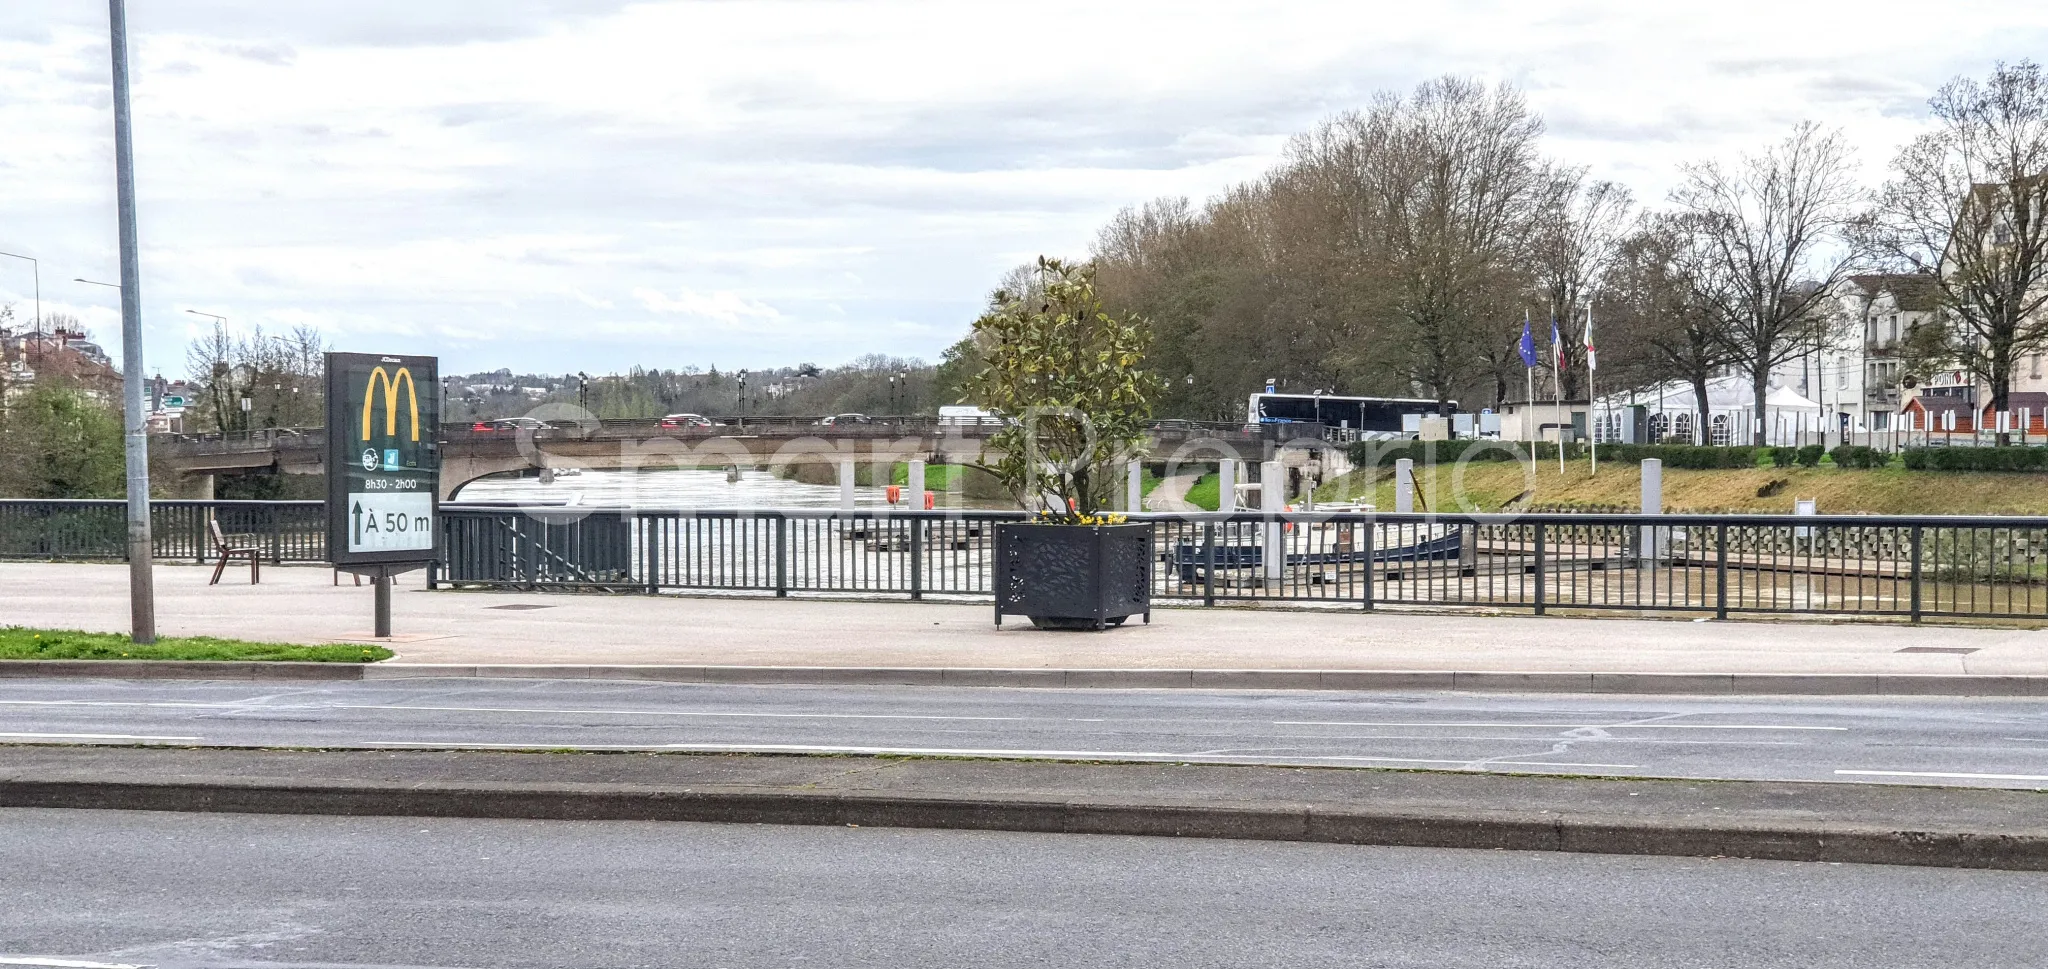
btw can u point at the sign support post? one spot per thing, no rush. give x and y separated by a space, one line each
383 469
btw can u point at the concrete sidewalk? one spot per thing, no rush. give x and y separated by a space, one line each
298 604
1971 828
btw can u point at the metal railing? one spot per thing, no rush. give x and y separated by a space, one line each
1717 565
285 531
1712 564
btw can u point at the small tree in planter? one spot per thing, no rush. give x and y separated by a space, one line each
1064 375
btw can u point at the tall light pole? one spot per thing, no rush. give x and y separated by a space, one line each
36 268
141 581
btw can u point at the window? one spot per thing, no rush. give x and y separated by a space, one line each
1682 427
2037 366
1718 436
1842 379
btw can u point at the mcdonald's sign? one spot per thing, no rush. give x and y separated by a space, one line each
383 461
390 382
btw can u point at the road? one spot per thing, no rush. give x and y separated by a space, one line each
1955 741
223 891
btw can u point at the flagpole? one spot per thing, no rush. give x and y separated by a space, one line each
1529 422
1592 408
1557 385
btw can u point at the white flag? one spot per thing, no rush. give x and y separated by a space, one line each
1592 359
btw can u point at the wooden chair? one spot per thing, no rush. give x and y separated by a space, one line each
227 551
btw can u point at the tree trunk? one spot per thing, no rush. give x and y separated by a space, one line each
2001 396
1699 395
1760 384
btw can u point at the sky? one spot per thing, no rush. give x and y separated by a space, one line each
565 185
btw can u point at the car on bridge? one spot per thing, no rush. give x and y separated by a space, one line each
675 421
845 419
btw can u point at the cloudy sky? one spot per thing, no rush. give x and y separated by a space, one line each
563 185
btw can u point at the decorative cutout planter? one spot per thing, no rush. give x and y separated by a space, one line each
1074 576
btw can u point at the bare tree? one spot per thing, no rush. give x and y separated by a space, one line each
1774 228
1666 322
1575 236
1968 205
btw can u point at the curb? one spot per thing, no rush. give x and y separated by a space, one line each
1694 684
1531 831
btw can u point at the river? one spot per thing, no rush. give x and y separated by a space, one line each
672 488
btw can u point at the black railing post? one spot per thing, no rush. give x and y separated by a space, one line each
1371 529
650 537
276 535
1542 569
1917 538
1208 563
781 555
916 556
1721 571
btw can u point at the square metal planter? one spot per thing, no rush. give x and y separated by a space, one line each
1074 576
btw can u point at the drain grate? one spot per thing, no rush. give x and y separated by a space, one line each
1957 650
520 606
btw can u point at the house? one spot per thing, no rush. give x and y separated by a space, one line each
1857 376
1941 412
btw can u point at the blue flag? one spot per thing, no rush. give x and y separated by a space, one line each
1528 346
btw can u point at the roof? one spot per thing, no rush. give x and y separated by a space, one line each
2034 401
1942 405
1911 292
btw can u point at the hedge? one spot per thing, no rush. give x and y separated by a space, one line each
1977 458
1858 456
1385 453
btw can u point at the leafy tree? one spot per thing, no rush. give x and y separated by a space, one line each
1069 379
59 442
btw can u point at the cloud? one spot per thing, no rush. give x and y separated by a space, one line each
723 307
593 184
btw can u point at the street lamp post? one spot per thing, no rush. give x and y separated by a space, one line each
141 580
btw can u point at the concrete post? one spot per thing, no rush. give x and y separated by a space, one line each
915 486
846 485
1404 486
1134 487
1272 499
1651 544
1226 485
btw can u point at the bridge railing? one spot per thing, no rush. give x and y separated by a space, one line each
1720 565
282 531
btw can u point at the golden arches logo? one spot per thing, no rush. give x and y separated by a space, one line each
390 382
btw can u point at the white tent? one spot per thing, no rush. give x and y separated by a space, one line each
1731 411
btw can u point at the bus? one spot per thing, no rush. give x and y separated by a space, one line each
1369 416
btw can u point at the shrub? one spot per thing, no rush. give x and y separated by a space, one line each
1784 457
1858 456
1977 459
1809 455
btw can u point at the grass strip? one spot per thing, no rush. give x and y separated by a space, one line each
22 642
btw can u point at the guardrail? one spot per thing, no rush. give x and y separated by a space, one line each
1721 565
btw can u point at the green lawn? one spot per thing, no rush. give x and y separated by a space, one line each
19 642
1205 493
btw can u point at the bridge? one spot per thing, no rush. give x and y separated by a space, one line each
472 451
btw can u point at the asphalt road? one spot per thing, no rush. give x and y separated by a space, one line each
1956 741
179 891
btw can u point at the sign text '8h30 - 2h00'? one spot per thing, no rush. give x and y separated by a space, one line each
383 459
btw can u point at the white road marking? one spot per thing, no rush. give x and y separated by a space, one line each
62 963
85 736
671 713
970 752
1944 775
1552 726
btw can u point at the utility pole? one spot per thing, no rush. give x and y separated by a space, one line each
141 580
